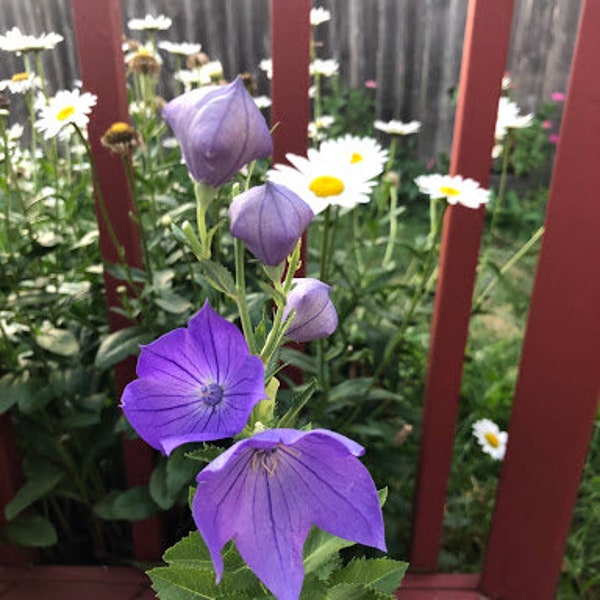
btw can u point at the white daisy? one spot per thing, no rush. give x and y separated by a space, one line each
266 65
17 42
490 438
508 117
150 23
64 108
213 70
454 188
322 180
182 48
14 132
324 67
319 15
395 127
315 127
21 83
262 101
191 78
361 154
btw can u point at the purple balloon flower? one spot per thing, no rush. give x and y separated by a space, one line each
315 315
195 384
220 129
266 492
269 219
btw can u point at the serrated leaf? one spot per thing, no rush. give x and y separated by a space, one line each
120 344
314 589
58 341
191 552
319 547
205 454
218 276
173 303
35 487
382 574
132 505
31 530
176 583
350 591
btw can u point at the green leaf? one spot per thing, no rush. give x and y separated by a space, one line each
173 303
218 276
319 548
190 552
133 505
171 477
120 344
205 454
299 401
43 481
351 591
382 574
58 341
176 583
13 392
31 530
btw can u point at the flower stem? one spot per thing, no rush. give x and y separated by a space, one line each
240 296
389 250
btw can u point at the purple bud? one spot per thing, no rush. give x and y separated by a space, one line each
220 129
269 219
315 315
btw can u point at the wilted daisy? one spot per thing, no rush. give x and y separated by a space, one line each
192 78
363 155
454 188
144 60
213 70
121 138
181 49
324 67
17 42
262 101
395 127
322 180
490 438
64 108
319 15
21 83
150 23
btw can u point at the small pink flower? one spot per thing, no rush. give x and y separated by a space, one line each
430 164
547 124
371 84
557 97
553 138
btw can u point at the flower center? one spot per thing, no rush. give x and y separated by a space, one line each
326 185
356 158
492 439
65 113
24 76
211 394
449 191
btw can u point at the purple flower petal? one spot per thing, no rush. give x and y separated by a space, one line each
194 384
266 492
220 129
269 219
315 316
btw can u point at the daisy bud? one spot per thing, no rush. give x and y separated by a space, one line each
269 219
315 316
121 138
220 130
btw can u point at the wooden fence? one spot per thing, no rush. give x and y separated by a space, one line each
557 390
412 48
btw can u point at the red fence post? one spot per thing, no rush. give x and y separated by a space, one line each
99 38
558 386
484 60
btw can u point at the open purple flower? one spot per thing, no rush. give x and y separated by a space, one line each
266 492
195 384
269 219
315 316
220 129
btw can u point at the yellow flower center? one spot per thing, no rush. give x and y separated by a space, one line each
119 127
143 52
326 185
65 113
356 158
20 77
449 191
492 439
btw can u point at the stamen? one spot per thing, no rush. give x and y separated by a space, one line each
211 394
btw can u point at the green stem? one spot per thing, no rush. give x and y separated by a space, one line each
6 177
240 296
389 250
324 266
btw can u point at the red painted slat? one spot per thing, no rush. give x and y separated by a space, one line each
558 386
484 60
290 50
99 37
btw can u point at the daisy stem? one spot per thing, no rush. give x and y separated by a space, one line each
324 266
389 250
41 73
104 211
29 101
240 296
7 208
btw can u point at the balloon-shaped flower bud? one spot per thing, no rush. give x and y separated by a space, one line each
269 219
314 313
219 129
